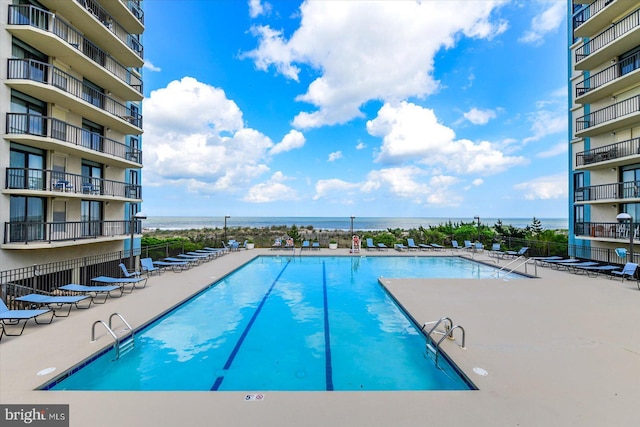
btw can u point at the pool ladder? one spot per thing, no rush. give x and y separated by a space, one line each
448 333
122 345
496 274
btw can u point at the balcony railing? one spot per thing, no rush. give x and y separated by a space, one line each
614 32
30 15
134 7
607 114
630 147
614 191
68 183
590 11
609 74
29 69
47 232
112 25
48 127
609 230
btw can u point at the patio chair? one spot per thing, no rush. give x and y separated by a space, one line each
148 267
412 245
176 266
55 302
370 244
305 245
315 245
277 244
93 291
127 273
14 317
399 247
437 247
424 246
467 245
628 271
382 246
523 250
455 245
122 281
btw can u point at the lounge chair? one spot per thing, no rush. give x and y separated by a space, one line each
629 271
559 263
127 273
424 246
220 250
541 260
437 247
14 317
455 245
277 244
467 245
190 261
192 258
315 245
496 251
399 247
204 257
598 269
575 267
289 244
148 267
478 247
382 246
176 266
93 291
305 245
523 250
412 245
370 244
56 302
123 281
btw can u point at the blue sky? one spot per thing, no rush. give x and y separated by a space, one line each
429 108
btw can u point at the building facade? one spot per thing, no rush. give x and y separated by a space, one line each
70 153
604 126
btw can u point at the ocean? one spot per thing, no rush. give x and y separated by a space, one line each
333 223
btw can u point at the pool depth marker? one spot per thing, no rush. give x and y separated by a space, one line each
234 352
327 335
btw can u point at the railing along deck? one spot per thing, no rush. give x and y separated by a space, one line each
630 147
46 232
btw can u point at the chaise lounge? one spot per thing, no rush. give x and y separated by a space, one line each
14 317
55 302
93 291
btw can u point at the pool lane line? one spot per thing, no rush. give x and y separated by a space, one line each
234 352
327 335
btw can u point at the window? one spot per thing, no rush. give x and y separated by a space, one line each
26 219
631 181
35 68
32 110
91 217
92 135
580 193
629 61
91 177
60 219
93 93
134 187
26 168
578 215
133 153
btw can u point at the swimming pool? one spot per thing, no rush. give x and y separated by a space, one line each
287 323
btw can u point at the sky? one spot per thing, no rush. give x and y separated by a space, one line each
406 108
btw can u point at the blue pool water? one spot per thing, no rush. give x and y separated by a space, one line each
287 323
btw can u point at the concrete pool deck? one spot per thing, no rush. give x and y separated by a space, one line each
559 350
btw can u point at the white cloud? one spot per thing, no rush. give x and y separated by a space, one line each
194 136
294 139
357 47
361 146
556 150
336 155
411 133
548 21
257 8
479 117
328 188
546 187
149 66
271 191
547 122
477 182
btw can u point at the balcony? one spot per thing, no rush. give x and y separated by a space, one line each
615 40
56 38
21 127
31 232
68 184
608 153
100 27
54 85
613 79
608 192
611 231
619 115
597 15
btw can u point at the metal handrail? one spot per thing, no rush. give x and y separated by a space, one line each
617 30
436 323
449 334
526 260
113 335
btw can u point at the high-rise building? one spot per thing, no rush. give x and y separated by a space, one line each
70 151
604 127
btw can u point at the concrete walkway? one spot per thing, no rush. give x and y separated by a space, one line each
560 350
